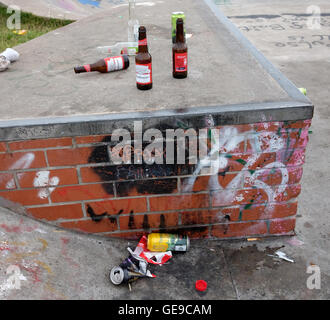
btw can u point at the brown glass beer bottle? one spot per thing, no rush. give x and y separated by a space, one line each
180 52
143 62
105 65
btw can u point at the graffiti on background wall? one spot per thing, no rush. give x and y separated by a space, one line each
311 28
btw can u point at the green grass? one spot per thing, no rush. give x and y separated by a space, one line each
35 26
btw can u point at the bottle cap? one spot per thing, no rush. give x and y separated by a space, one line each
201 285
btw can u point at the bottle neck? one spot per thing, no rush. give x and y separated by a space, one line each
131 10
85 68
143 44
180 33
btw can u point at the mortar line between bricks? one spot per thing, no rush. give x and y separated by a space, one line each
180 211
164 211
46 158
79 175
266 236
77 147
18 186
148 204
149 195
49 198
49 168
178 183
104 164
118 222
73 142
83 208
114 190
184 226
231 275
41 149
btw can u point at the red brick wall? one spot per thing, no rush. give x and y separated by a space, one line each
69 182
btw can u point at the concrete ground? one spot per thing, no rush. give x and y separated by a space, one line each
57 264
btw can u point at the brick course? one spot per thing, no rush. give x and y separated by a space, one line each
71 183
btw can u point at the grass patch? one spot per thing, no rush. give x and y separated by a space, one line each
35 26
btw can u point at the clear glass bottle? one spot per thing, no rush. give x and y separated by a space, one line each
129 48
133 23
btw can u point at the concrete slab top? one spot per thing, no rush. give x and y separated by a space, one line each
223 70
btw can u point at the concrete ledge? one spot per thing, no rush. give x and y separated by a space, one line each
228 78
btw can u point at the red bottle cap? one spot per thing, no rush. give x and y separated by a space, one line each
201 285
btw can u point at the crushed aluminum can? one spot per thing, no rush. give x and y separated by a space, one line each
119 275
131 269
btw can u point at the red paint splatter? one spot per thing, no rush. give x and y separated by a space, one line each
65 240
4 248
62 192
34 271
16 229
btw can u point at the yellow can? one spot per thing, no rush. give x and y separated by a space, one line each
168 242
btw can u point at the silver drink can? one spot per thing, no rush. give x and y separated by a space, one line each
117 275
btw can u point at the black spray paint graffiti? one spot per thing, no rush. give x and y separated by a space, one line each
138 176
285 21
131 222
100 217
317 40
127 177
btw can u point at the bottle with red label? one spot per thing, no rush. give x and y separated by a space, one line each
105 65
180 52
143 62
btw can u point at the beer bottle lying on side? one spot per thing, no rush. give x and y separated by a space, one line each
105 65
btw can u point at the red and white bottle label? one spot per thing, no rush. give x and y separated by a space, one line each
144 73
87 68
181 62
114 63
143 42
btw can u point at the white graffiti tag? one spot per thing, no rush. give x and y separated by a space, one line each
42 179
227 140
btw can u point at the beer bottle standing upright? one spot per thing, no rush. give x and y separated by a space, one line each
143 62
180 52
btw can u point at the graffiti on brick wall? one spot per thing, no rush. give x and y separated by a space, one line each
42 180
136 173
217 163
23 163
257 161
